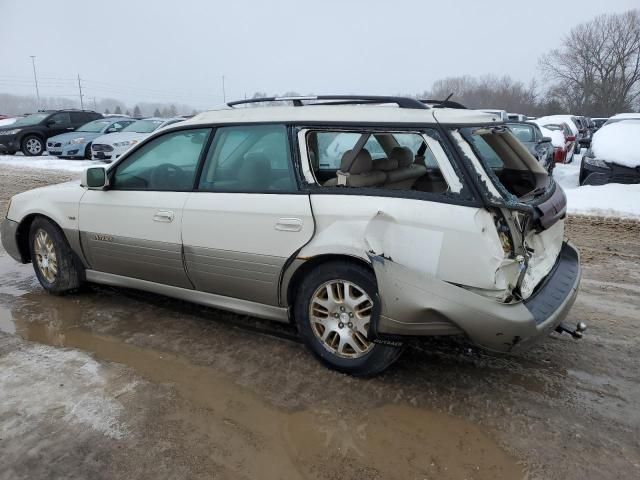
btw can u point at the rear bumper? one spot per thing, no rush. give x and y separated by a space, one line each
414 305
9 237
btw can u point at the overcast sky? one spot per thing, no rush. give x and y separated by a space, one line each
177 51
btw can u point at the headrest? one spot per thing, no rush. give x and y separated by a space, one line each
255 171
403 155
361 164
385 164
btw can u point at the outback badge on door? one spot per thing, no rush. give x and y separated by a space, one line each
103 238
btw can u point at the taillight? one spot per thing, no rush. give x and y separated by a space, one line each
559 155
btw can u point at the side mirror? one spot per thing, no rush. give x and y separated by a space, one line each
95 178
545 140
48 123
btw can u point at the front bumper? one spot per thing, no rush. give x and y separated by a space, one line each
413 304
593 175
9 237
67 150
8 144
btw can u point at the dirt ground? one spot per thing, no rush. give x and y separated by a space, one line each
112 383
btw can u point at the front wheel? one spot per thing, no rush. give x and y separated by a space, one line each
54 262
335 304
32 146
87 152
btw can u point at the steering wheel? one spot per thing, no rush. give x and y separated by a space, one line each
166 176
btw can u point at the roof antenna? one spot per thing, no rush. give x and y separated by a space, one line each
444 102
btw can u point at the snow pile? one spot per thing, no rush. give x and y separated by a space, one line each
47 163
619 143
7 121
612 200
556 136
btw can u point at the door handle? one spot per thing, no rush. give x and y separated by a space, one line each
163 216
289 224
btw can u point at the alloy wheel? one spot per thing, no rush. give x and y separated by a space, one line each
34 146
45 254
340 313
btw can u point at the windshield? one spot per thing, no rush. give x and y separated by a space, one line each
514 168
95 126
524 133
143 126
30 119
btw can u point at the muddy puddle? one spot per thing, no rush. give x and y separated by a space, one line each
245 434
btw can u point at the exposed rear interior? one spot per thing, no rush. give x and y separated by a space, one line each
510 161
390 160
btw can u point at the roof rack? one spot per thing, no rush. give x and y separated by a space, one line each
443 104
402 102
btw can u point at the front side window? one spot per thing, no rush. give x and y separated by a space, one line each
249 158
167 163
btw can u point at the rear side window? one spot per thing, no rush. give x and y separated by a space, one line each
167 163
61 118
333 145
249 158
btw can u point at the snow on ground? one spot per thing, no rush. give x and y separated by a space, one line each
612 200
47 163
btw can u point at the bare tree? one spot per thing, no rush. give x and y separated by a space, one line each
596 71
487 91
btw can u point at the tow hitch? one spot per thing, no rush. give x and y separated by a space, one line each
575 332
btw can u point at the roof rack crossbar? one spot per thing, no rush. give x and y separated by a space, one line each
402 102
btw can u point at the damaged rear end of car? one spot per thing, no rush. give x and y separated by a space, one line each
531 274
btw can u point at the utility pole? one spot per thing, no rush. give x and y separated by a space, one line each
80 88
95 105
224 94
35 78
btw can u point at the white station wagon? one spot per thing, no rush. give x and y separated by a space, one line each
283 213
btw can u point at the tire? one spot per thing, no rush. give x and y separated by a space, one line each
57 267
32 146
351 324
87 152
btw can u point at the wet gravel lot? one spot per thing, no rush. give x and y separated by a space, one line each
113 383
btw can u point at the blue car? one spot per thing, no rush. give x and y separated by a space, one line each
77 144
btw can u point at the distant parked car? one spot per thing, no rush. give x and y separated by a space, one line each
619 117
501 114
565 154
111 146
598 122
614 156
571 121
539 146
77 144
30 133
517 117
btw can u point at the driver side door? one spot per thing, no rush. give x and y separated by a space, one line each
133 228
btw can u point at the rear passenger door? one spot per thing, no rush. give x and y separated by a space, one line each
247 215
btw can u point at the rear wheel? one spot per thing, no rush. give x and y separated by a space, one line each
55 264
334 307
32 145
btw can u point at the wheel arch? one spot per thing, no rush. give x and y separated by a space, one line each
300 267
22 234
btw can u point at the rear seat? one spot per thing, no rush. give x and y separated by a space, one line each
407 173
361 173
